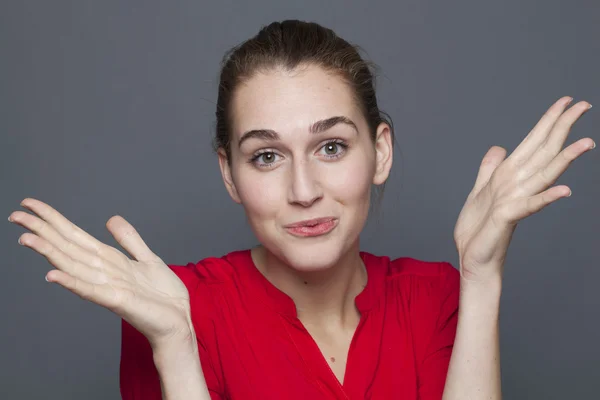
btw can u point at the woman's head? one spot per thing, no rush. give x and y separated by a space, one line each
299 137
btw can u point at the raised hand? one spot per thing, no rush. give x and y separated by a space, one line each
143 291
509 190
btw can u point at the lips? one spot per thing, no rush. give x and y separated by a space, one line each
310 222
312 227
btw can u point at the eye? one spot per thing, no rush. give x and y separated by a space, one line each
334 149
264 159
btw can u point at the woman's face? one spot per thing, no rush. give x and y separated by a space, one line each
302 164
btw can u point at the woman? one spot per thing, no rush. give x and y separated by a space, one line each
300 142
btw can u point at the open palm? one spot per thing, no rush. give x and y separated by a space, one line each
143 290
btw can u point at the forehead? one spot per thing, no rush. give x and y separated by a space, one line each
289 100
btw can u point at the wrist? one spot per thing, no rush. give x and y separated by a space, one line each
181 341
175 351
481 277
180 332
480 297
179 368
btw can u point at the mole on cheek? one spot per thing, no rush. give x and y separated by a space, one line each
332 359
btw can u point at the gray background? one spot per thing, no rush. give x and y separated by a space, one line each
107 107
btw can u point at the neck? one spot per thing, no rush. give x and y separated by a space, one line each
324 297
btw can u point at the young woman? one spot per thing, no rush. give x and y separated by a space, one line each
306 315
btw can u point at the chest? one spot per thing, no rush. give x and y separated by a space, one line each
284 359
334 348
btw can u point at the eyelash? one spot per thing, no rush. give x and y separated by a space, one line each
337 142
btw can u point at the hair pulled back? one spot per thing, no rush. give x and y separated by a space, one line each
290 44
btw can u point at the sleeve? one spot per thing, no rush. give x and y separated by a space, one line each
438 332
139 379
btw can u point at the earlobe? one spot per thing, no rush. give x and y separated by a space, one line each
226 174
383 153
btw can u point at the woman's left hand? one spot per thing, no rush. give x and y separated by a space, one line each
509 190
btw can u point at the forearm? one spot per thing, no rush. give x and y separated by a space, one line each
474 370
180 372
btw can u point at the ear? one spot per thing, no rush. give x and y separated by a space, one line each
383 153
226 174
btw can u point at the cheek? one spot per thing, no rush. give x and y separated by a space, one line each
351 183
261 194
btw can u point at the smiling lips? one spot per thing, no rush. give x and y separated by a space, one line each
312 227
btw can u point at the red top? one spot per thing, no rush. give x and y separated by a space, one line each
253 346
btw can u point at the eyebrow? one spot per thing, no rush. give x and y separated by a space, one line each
317 127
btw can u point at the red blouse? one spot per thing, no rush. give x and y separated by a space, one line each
253 346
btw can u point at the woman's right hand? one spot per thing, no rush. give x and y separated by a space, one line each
144 291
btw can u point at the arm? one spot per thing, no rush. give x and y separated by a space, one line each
474 370
178 366
460 359
506 191
147 374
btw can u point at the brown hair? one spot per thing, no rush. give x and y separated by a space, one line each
289 44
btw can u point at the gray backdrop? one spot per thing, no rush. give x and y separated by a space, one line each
107 107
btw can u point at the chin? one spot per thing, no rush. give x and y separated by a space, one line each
309 254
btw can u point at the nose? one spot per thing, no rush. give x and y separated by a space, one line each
305 188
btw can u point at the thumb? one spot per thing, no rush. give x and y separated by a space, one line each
126 235
492 159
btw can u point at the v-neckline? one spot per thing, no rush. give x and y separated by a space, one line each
318 358
283 304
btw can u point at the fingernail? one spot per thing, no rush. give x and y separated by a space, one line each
19 241
569 101
590 106
46 278
593 145
570 193
9 220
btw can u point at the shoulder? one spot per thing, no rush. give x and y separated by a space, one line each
408 267
418 283
211 270
438 273
214 281
424 293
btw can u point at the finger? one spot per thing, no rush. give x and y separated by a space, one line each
560 131
60 260
126 235
557 137
539 132
65 227
44 230
102 295
515 211
492 159
548 175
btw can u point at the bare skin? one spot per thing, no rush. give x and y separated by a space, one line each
334 346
